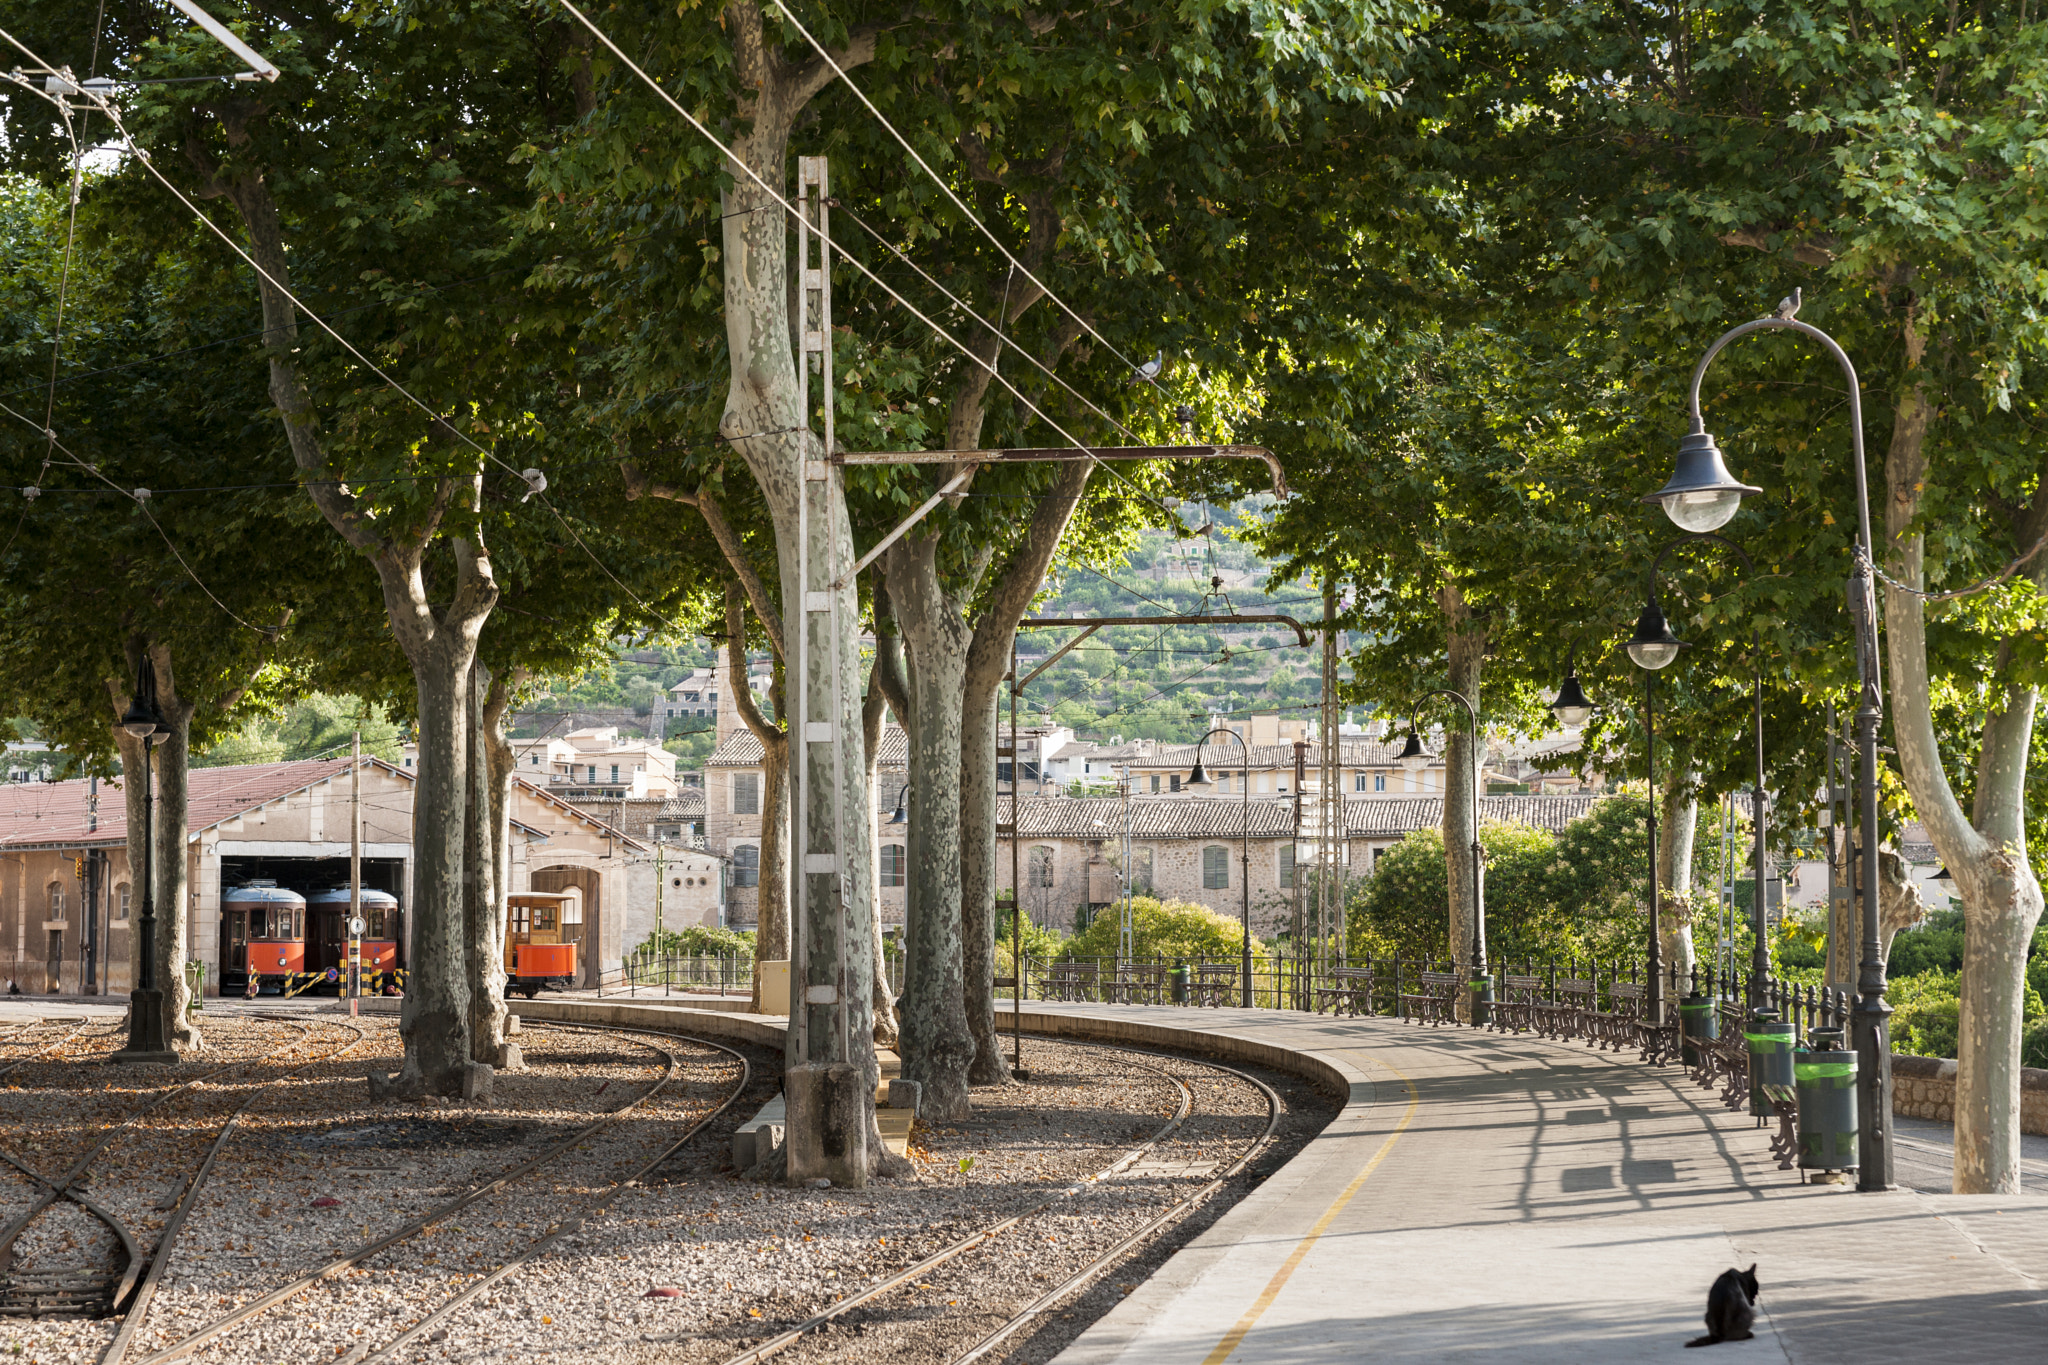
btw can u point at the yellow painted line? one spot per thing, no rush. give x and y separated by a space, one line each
1236 1335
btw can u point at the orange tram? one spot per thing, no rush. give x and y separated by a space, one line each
540 950
264 935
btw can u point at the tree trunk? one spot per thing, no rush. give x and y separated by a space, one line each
1678 821
173 884
771 889
491 761
938 1047
438 638
873 710
810 520
1466 652
1986 851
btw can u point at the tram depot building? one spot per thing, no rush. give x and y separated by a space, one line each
69 902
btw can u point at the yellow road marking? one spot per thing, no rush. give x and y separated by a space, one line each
1236 1335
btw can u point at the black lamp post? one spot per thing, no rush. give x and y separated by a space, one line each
1415 758
1198 781
1653 641
1701 496
146 1041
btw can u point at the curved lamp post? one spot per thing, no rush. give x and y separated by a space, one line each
1415 758
1702 495
1198 780
1653 647
146 1041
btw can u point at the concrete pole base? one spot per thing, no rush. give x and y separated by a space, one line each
827 1133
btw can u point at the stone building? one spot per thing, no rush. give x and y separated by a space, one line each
1071 851
68 903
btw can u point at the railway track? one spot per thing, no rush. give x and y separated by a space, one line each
1035 1311
88 1290
77 1027
551 1237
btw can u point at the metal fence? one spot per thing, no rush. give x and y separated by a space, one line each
694 974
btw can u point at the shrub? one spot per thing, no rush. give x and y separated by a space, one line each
1168 929
700 941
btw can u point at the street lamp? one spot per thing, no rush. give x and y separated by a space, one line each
146 1041
1653 646
1198 780
1571 707
1701 495
901 815
1414 758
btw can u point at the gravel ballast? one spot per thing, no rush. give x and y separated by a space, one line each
695 1264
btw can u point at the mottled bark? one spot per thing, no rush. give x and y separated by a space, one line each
173 882
938 1047
771 893
988 662
810 519
1465 639
1677 821
874 708
1986 850
485 888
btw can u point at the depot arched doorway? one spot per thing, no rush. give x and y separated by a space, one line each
584 934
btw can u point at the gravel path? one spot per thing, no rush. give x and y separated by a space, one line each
695 1265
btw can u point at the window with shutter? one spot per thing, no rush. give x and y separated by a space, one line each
1215 868
1287 864
1041 865
746 865
893 864
746 793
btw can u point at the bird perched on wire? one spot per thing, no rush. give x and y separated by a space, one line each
1788 307
1149 371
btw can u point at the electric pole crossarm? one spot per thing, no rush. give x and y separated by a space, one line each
1057 454
1234 619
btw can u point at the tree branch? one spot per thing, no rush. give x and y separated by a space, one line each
638 485
768 732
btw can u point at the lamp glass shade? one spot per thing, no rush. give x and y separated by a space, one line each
1571 707
1413 756
1653 645
1701 494
1197 780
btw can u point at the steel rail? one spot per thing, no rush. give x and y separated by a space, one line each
1180 1209
777 1344
137 1309
60 1187
292 1289
546 1241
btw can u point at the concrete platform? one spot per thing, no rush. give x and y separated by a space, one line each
1490 1198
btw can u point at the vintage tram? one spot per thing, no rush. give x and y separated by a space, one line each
327 916
262 934
538 949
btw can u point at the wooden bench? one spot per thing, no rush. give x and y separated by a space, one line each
1138 985
1617 1027
1566 1012
1515 1011
1074 982
1434 1001
1349 992
1216 985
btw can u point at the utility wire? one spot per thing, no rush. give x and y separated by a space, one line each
958 203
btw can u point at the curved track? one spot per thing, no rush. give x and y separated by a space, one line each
336 1265
777 1344
70 1291
76 1029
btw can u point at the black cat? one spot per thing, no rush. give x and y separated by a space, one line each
1731 1308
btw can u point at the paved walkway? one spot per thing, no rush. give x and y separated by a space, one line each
1507 1199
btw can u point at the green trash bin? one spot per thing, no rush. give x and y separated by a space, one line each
1826 1075
1770 1059
1179 978
1698 1022
1482 1001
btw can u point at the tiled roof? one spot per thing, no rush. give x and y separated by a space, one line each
686 804
1224 754
54 815
742 750
1102 817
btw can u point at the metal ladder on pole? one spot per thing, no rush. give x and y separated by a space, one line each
822 871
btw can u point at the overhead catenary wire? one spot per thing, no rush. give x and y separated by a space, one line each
958 203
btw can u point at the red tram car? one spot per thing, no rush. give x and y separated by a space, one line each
329 913
262 933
